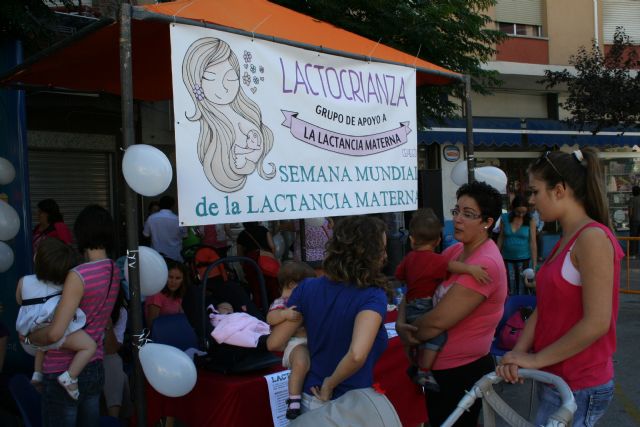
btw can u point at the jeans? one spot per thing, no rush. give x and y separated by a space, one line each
60 410
515 267
592 403
416 309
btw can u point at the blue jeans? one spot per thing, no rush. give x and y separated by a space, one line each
60 410
417 308
592 403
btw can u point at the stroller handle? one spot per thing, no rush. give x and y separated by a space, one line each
562 417
566 395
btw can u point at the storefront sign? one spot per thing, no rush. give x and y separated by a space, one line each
266 131
451 153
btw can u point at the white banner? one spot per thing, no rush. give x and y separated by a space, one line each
266 131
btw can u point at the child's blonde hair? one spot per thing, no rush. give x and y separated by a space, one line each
294 271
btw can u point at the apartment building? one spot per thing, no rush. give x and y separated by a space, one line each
522 118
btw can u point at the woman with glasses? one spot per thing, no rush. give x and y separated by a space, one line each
466 309
572 331
517 242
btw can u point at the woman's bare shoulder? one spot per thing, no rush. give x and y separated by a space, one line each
593 240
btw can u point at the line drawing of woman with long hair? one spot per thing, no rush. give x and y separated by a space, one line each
233 141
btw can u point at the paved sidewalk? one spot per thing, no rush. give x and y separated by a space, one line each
625 408
624 411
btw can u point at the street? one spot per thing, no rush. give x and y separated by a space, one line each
625 409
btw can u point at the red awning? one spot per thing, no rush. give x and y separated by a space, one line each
90 62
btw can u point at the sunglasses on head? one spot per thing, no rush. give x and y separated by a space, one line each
545 157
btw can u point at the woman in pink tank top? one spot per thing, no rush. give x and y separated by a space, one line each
572 332
92 286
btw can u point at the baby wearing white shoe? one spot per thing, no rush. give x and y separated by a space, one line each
38 295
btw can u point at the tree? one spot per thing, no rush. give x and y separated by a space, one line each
33 22
604 91
455 34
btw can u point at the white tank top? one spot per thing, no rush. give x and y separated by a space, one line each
569 271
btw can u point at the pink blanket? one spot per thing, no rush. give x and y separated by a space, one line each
240 329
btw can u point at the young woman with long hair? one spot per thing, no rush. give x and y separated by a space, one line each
572 332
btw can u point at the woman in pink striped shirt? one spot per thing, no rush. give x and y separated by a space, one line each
93 287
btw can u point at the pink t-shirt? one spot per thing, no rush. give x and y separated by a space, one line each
167 304
97 306
471 338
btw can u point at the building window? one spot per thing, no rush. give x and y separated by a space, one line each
621 13
520 29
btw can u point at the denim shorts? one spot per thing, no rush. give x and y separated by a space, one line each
417 308
60 410
592 403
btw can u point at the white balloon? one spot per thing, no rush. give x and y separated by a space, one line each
279 243
7 171
153 271
6 257
493 176
459 173
146 169
169 370
9 221
528 273
315 222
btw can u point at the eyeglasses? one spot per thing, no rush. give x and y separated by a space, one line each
465 214
545 156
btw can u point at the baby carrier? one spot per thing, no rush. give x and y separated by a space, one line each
213 290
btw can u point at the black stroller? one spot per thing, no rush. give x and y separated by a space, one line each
213 289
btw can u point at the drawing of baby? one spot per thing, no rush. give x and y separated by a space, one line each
211 73
250 151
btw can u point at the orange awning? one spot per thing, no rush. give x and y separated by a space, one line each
90 61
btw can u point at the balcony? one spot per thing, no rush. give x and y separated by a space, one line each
530 50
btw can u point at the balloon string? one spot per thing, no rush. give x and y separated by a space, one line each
142 338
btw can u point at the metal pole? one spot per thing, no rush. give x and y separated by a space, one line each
471 160
128 137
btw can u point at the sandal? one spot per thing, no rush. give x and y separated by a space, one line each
68 384
292 414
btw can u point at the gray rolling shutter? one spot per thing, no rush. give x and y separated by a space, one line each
621 13
519 11
74 179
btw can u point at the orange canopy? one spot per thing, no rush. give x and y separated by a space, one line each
91 62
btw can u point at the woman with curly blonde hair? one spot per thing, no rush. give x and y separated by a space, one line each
233 140
342 313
